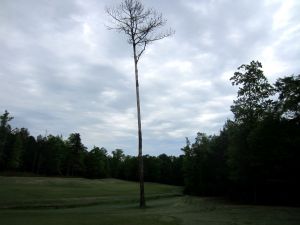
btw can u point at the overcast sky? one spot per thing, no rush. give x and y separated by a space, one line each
62 71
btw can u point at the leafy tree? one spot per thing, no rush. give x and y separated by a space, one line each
253 100
116 162
141 27
204 165
29 154
260 147
216 163
5 131
288 103
177 176
75 156
152 168
55 152
252 106
165 169
97 163
4 119
201 151
19 138
38 156
188 167
130 168
14 158
239 160
194 164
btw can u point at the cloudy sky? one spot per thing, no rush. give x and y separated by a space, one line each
62 71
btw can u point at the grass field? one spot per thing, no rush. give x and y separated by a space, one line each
62 201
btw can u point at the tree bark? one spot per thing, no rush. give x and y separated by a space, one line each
140 145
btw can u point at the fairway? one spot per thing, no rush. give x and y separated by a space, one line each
40 192
61 201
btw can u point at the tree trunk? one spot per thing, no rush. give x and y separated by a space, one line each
140 154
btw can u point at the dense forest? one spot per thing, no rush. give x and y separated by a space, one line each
255 158
52 155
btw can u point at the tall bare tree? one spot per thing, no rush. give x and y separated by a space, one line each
142 27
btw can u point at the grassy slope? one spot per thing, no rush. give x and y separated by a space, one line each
115 202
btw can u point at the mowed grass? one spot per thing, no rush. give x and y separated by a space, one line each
62 201
38 192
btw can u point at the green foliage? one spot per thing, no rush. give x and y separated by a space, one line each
130 168
261 150
29 154
51 155
55 153
204 165
97 163
288 103
253 100
152 168
4 119
164 169
14 161
116 162
5 131
255 158
75 155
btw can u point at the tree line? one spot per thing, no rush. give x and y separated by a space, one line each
255 158
53 156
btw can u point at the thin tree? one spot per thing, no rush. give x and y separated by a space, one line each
141 26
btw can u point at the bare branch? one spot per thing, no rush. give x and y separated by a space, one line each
141 28
141 52
140 25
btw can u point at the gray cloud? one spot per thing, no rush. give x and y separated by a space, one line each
62 71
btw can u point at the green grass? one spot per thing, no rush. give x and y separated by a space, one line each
38 192
62 201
